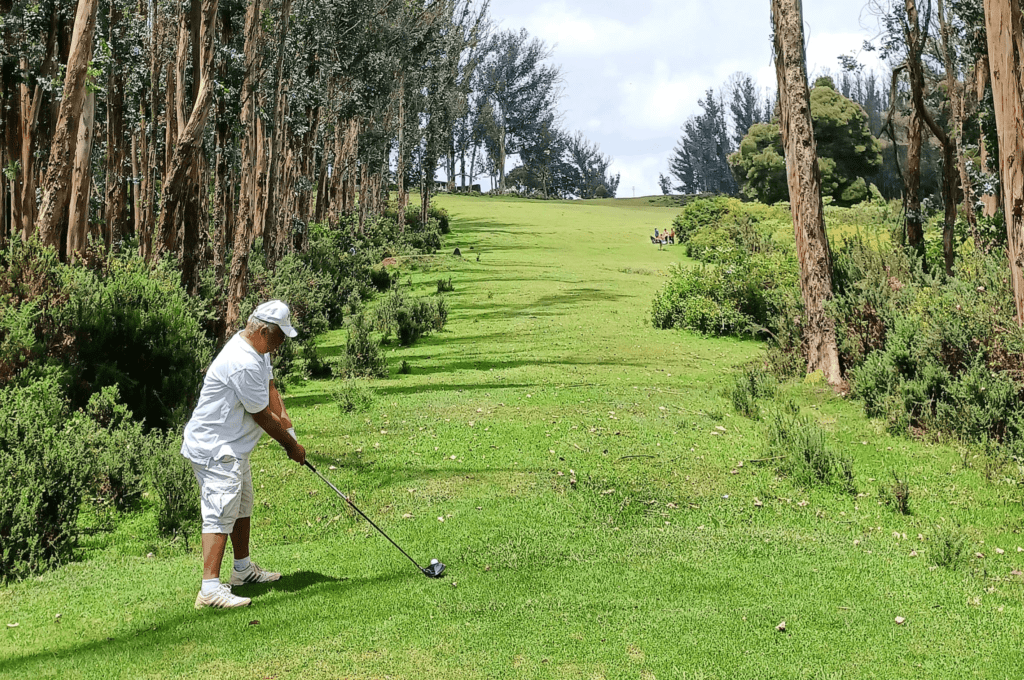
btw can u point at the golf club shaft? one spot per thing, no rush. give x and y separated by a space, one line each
347 500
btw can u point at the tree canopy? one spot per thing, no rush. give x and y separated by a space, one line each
847 151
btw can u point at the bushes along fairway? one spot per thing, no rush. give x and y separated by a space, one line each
597 521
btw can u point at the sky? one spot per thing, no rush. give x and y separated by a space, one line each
634 70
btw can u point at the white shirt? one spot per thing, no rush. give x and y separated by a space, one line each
237 384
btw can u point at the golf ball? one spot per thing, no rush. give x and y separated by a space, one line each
433 561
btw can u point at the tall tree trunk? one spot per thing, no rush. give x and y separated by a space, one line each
81 177
403 198
950 176
912 184
273 230
1005 52
116 199
244 231
804 179
181 188
57 185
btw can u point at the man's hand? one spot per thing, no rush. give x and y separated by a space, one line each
271 424
297 452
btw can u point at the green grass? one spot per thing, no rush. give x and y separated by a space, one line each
597 520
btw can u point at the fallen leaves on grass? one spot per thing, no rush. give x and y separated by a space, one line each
254 622
758 503
900 620
781 627
407 516
13 625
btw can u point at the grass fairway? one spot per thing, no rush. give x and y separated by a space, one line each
591 492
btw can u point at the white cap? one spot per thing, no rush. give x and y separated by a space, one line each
276 312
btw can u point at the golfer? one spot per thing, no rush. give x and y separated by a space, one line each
238 403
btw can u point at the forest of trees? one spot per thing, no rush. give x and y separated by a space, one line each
191 128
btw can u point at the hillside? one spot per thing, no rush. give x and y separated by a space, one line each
602 510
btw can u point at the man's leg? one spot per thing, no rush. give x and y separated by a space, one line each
213 552
245 571
239 539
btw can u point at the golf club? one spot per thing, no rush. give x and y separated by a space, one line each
435 570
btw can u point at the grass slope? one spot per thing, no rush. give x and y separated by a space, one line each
597 521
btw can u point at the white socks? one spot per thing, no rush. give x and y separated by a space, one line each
242 564
210 585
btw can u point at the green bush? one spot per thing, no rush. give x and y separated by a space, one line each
120 322
121 450
353 396
364 357
751 296
445 285
698 214
177 491
748 387
45 471
807 455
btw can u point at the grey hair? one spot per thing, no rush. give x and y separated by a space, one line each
255 325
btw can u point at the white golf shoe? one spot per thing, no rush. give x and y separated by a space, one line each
221 599
254 574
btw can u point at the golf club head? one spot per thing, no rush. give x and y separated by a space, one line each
435 570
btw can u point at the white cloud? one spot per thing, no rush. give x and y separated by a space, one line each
634 71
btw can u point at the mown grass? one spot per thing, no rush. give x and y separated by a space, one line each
598 522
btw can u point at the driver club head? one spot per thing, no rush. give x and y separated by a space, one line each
435 570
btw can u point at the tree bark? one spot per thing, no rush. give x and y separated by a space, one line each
181 188
804 179
81 176
57 184
116 198
1005 51
273 230
950 176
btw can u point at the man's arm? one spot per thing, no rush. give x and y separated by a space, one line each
277 406
273 424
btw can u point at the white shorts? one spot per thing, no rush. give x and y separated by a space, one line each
225 492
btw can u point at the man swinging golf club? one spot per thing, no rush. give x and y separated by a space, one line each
238 403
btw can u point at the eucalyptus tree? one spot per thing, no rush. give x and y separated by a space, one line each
519 91
1005 32
804 177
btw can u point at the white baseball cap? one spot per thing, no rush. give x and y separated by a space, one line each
276 312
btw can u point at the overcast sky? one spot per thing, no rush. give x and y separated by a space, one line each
634 70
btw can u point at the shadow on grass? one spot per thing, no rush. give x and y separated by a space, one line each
207 624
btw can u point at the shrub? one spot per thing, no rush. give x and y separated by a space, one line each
121 322
364 357
134 327
176 489
409 319
381 278
445 286
896 496
749 386
699 213
441 316
353 396
45 471
120 448
747 297
807 456
949 546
